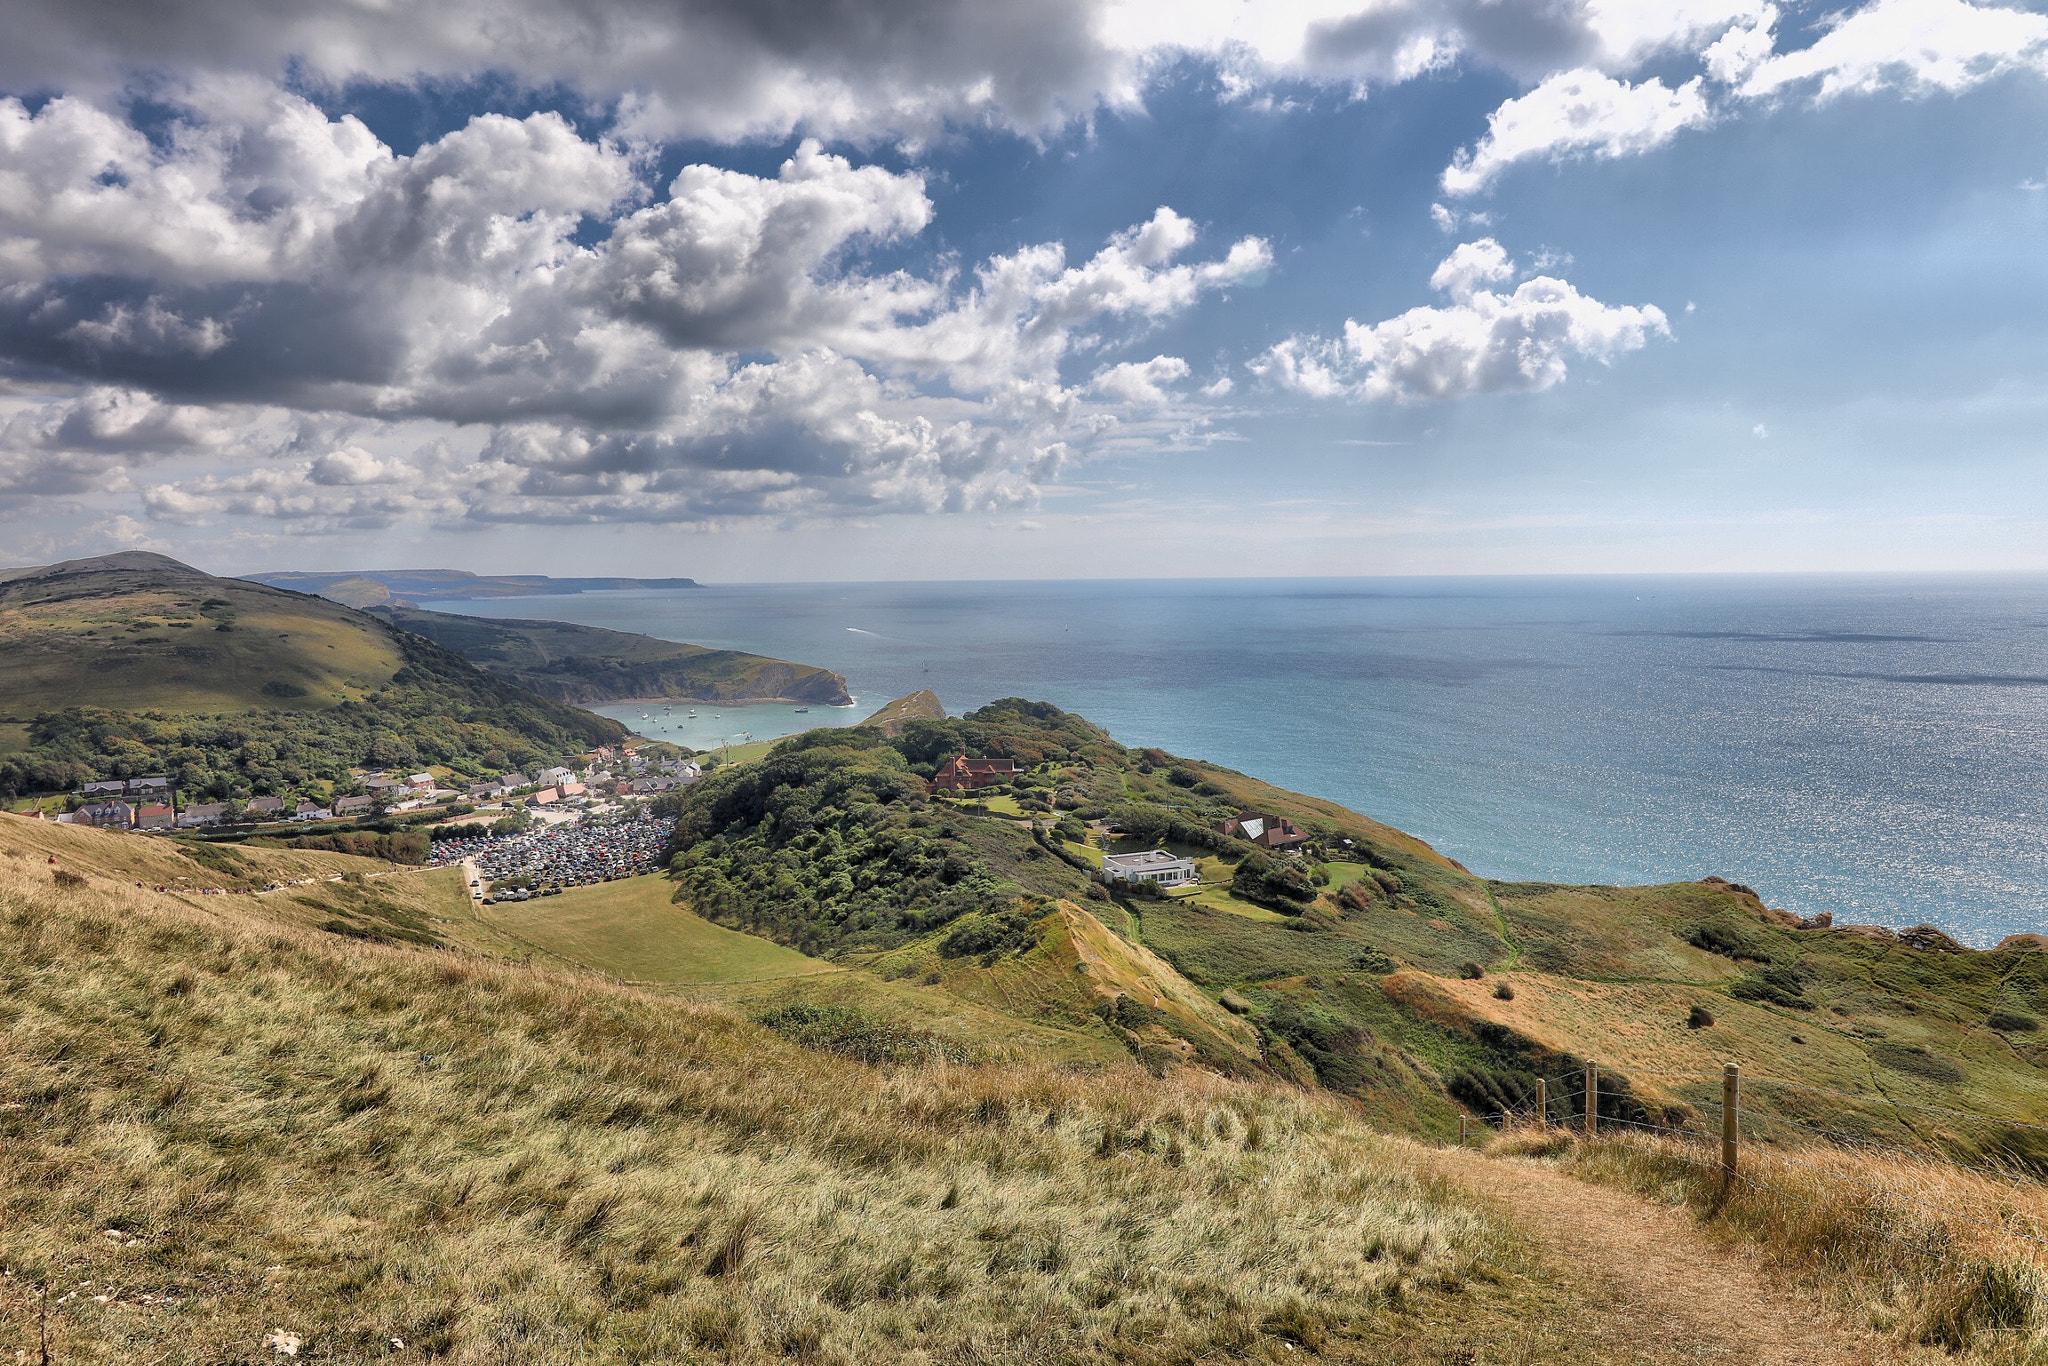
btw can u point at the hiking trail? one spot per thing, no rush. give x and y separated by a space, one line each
1655 1286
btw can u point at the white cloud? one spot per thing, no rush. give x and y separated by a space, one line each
1576 113
1915 45
1141 382
1470 265
1485 342
1449 220
1730 58
718 349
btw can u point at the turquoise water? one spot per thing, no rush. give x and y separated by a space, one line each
1873 747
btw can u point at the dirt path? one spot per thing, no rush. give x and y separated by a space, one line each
1655 1288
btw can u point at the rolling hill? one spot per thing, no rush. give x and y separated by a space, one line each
590 664
972 1108
424 585
225 1130
1374 966
135 663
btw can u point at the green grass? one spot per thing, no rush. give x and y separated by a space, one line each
1218 897
354 1143
633 929
743 754
572 663
67 645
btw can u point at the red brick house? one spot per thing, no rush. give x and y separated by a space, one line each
1268 832
962 774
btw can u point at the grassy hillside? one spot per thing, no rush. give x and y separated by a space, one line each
137 665
919 706
635 930
1372 965
589 664
218 1127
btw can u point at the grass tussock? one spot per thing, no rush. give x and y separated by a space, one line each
215 1128
1914 1247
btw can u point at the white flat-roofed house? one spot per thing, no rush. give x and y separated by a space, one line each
1154 865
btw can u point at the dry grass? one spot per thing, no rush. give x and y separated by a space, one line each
213 1126
1913 1247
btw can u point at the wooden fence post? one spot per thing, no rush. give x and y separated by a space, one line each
1543 1102
1731 1130
1592 1100
1461 1129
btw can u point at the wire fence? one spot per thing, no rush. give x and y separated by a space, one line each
1756 1144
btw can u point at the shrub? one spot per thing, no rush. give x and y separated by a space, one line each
992 932
1262 878
1503 992
1726 942
1916 1061
1778 986
2008 1022
854 1033
1699 1017
1470 971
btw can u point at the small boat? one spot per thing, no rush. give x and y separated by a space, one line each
803 711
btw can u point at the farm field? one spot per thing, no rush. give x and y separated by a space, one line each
633 929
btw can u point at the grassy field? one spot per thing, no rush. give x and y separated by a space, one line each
634 930
218 1127
185 644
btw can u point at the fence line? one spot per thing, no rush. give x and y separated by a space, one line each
1742 1128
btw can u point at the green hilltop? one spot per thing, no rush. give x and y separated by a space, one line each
136 664
590 664
1366 962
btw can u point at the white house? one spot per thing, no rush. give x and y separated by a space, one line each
1154 865
202 813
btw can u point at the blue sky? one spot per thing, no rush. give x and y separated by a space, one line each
950 289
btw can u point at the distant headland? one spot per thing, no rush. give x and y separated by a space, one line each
377 587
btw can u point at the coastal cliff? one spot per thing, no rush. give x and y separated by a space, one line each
584 664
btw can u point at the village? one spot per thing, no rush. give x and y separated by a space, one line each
153 805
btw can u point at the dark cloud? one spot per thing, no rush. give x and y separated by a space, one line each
705 67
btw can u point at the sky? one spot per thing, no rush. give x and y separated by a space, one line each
755 290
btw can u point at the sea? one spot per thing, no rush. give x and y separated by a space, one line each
1874 747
